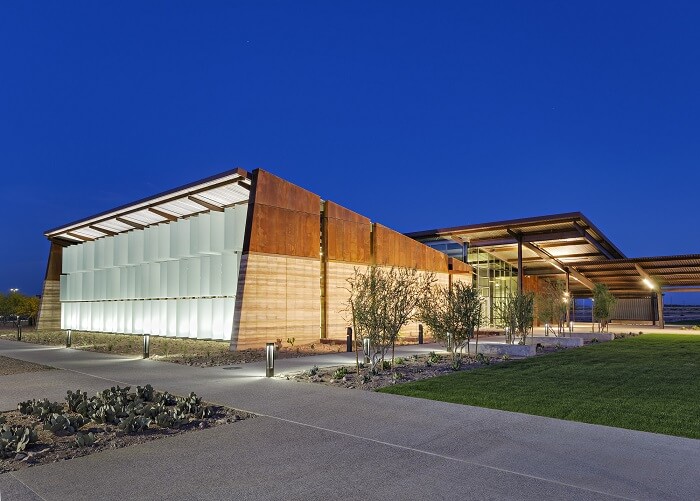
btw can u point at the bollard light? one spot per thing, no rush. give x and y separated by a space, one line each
146 345
366 348
69 338
349 339
270 359
420 333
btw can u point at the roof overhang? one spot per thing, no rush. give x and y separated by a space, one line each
664 273
556 244
214 193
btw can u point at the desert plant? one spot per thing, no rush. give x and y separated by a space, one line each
290 341
84 439
14 439
603 304
453 315
517 312
75 399
39 408
381 302
145 393
549 304
64 423
134 424
340 373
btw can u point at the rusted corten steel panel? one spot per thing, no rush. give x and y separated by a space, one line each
395 249
55 263
283 218
276 192
347 235
457 266
531 284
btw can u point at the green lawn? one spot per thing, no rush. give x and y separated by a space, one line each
649 383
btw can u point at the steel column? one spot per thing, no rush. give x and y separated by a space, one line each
520 264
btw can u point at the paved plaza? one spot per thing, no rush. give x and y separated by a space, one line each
319 442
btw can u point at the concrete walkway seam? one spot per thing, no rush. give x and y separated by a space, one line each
448 458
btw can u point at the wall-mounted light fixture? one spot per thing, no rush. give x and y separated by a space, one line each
648 283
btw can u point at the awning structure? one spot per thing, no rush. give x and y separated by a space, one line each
211 194
560 244
670 273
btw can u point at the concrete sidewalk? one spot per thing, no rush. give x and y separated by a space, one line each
319 442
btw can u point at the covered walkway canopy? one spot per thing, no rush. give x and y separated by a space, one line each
570 246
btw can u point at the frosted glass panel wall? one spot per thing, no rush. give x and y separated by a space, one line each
175 279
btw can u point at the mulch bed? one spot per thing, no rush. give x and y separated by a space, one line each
409 369
13 366
413 368
51 448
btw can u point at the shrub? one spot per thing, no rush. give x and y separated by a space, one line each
134 424
399 361
14 439
84 440
39 409
340 373
64 423
433 357
456 364
594 340
386 365
313 371
505 357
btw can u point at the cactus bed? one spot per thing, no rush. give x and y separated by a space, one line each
41 432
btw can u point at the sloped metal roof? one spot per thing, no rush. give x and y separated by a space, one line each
212 193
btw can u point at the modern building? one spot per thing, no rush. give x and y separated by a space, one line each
245 258
518 254
250 258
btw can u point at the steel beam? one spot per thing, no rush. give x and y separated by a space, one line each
595 243
163 214
130 223
526 237
206 204
520 264
546 257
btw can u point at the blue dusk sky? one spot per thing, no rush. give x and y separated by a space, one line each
415 114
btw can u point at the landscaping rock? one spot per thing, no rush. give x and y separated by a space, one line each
590 336
564 342
512 350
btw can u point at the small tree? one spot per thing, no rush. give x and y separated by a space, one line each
603 304
364 305
550 305
517 312
453 316
381 302
404 288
